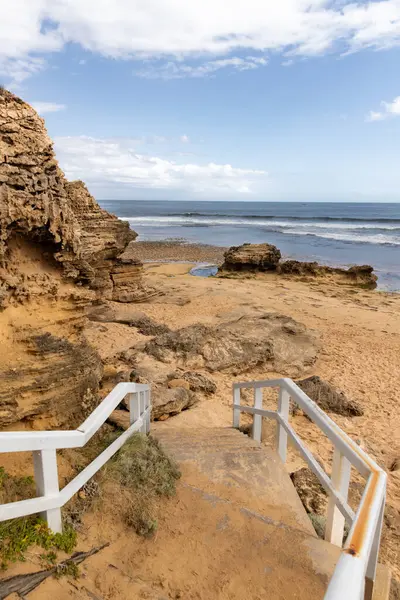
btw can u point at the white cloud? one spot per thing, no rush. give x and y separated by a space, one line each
389 109
47 107
184 29
115 162
184 139
17 70
176 70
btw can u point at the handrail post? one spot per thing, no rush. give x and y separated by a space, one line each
335 521
373 557
257 419
283 411
142 403
46 478
134 407
148 408
236 411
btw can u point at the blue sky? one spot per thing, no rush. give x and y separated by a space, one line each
179 99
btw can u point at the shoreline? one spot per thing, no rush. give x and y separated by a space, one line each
179 251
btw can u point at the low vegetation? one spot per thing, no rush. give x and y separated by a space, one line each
145 473
18 535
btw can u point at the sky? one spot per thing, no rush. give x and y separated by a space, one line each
214 99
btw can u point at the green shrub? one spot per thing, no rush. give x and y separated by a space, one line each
17 535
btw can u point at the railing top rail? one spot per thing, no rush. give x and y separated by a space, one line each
22 441
358 458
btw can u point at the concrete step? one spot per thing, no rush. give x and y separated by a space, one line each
229 470
242 491
235 468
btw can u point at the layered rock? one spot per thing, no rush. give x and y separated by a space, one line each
126 275
276 341
266 257
252 257
60 377
39 205
358 275
53 236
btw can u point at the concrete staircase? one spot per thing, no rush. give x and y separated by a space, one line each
245 490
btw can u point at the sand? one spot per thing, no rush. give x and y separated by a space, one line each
179 251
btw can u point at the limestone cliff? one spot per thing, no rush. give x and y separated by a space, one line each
38 204
59 252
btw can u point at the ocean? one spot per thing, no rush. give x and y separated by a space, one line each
337 234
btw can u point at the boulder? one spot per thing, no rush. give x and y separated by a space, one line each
178 383
199 382
311 492
170 402
329 398
274 341
251 257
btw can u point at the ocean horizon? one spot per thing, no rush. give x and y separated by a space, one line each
333 233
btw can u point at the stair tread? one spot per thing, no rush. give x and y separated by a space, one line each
247 473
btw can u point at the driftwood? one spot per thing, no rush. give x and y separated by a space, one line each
23 584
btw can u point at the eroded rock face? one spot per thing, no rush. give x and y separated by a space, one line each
266 257
38 205
276 341
362 276
252 257
199 382
53 236
57 380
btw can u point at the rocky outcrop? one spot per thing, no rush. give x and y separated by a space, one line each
329 398
102 239
60 377
362 276
276 341
311 492
197 382
59 253
39 206
251 257
126 277
169 402
266 257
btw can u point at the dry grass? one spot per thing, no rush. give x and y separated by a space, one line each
145 474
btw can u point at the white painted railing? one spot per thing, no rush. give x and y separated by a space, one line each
354 575
44 444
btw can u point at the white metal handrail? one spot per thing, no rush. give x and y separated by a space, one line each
355 572
44 444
